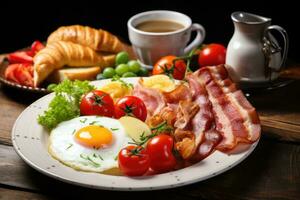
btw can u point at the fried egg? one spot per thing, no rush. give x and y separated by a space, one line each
88 143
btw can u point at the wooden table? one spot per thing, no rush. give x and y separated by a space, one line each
272 171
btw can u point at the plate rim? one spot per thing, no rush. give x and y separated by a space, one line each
114 188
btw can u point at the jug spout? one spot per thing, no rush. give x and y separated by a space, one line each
250 24
248 18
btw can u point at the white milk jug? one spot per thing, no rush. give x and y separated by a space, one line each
253 54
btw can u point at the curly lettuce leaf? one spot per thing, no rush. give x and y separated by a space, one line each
65 104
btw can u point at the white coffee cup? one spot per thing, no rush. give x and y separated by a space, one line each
150 46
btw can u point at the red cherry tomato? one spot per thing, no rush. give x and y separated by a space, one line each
159 149
133 163
212 54
97 103
165 66
131 106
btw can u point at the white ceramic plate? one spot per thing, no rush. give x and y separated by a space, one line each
30 142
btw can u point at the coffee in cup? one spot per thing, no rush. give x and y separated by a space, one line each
155 34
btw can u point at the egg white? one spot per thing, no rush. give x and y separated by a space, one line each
63 147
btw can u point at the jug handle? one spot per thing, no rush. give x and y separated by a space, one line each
285 37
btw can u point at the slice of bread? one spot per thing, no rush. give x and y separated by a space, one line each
88 73
109 59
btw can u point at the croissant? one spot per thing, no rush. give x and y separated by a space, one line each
58 54
99 40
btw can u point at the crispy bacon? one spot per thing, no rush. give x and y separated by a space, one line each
206 136
167 114
181 92
185 143
210 113
235 118
186 112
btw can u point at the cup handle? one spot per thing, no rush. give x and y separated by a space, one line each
285 40
199 37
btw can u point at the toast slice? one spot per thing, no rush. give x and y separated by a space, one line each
88 73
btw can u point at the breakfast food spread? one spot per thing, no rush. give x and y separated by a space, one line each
136 130
72 52
156 124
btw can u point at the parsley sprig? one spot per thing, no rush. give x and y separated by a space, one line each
160 128
118 78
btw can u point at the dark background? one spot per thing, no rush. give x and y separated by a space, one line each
24 22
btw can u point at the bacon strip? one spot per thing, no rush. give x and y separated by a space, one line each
235 118
210 113
206 136
152 98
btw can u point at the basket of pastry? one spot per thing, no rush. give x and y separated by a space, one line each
71 52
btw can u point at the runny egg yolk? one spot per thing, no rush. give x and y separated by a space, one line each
93 136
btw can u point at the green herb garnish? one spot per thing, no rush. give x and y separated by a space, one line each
114 129
162 127
69 146
90 160
97 156
83 120
118 78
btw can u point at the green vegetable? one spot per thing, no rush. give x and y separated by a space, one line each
122 58
109 72
117 78
65 104
134 66
122 69
129 74
143 72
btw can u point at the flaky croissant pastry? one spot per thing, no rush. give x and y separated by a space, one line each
58 54
98 40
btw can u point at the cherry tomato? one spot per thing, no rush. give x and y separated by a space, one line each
133 163
159 149
212 54
165 66
97 103
131 106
